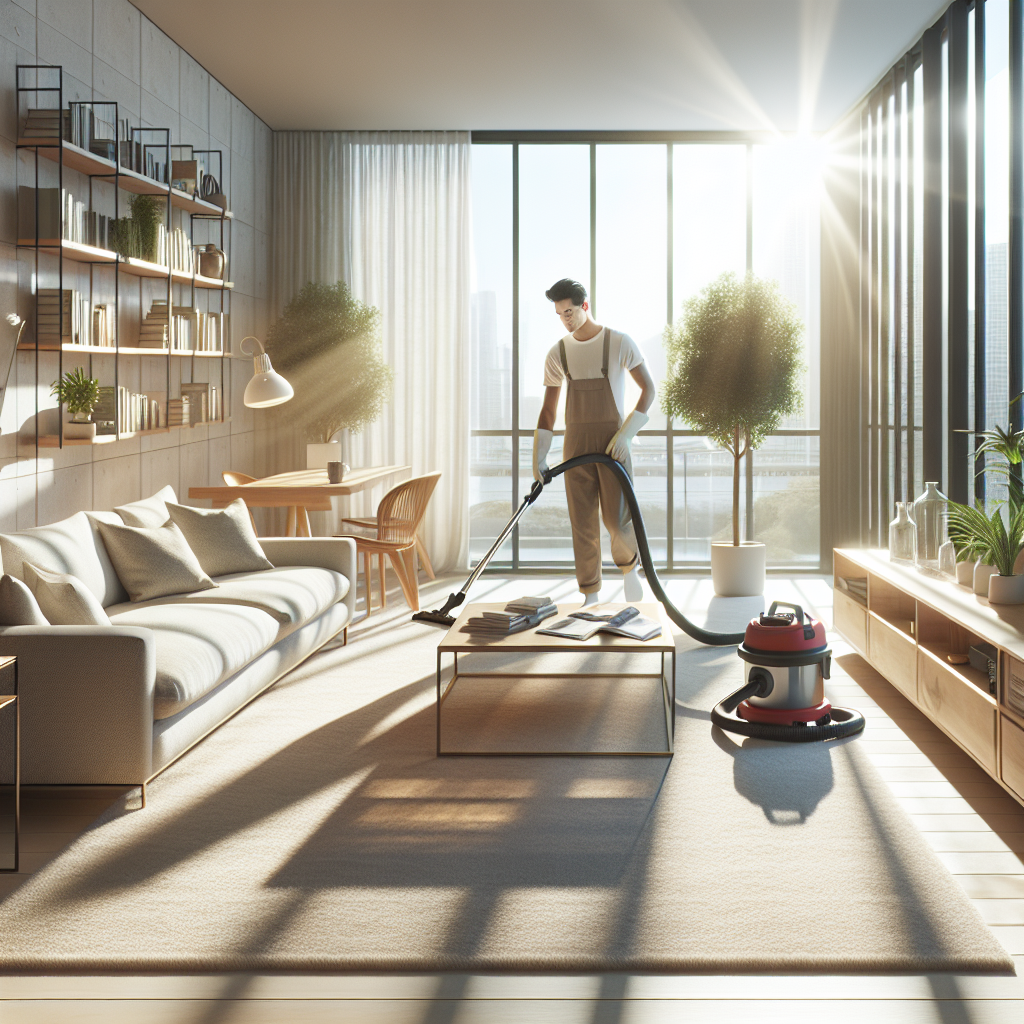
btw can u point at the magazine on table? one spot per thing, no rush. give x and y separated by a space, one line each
583 624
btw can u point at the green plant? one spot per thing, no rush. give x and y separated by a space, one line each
328 345
137 234
734 366
998 542
77 391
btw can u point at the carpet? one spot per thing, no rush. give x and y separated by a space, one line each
317 831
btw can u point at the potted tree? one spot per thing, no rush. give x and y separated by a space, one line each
79 394
328 344
734 364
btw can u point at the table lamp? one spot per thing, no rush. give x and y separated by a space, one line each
267 386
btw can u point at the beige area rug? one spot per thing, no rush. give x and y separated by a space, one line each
318 831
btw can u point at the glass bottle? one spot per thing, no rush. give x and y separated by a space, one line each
930 515
903 534
947 558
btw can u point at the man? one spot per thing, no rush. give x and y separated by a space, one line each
594 360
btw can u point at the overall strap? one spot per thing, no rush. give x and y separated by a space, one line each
604 357
565 362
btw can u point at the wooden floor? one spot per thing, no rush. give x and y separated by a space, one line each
976 829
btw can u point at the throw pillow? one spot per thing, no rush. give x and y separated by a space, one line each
64 599
154 562
18 606
150 511
222 538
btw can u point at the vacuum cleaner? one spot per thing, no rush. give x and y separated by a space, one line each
784 697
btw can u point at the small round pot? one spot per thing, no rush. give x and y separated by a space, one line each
965 574
1006 590
982 574
738 571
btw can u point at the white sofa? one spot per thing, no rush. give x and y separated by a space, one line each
117 704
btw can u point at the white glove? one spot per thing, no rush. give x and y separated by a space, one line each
541 447
618 446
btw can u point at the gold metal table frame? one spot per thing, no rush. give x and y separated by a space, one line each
455 643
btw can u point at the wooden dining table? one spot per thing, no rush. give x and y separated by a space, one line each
300 491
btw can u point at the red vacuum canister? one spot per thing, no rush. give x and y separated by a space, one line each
788 652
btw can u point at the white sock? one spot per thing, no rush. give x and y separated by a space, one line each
634 589
593 598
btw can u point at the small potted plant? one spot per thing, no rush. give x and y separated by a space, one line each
79 394
734 368
998 541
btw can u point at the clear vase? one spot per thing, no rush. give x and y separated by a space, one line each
930 515
902 534
947 558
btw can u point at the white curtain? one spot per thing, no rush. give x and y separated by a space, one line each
388 213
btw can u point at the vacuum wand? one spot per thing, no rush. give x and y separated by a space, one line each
442 616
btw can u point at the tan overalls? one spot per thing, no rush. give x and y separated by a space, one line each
591 420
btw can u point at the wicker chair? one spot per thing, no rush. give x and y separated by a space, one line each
298 516
399 515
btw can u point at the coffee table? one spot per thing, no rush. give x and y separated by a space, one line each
455 642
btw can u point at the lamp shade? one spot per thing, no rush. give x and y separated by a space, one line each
267 386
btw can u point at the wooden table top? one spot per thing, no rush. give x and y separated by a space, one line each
455 641
299 487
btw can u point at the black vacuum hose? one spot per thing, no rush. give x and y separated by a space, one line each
704 636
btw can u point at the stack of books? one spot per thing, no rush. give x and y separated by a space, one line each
41 124
178 412
198 396
62 321
153 331
523 613
855 586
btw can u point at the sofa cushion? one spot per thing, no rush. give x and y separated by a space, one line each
204 637
292 595
72 546
154 561
222 538
64 599
151 511
197 648
18 605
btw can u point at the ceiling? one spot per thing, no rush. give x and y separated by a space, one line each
788 65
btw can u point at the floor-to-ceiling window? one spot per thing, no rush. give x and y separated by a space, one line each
938 284
645 225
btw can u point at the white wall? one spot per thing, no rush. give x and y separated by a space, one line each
109 50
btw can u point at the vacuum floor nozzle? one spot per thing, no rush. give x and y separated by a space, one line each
438 618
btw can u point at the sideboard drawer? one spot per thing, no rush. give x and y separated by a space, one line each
894 654
1013 755
851 619
967 714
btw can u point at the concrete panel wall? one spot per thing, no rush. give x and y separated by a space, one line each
110 51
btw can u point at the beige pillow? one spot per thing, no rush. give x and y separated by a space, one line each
18 606
150 511
222 538
153 562
64 599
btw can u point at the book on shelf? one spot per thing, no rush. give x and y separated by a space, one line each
178 412
198 396
61 217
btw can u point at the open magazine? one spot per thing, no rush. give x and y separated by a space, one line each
582 625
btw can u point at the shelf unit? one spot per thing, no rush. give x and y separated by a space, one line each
908 627
49 254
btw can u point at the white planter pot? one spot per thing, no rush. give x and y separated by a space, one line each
1006 590
738 571
982 574
318 455
76 431
965 573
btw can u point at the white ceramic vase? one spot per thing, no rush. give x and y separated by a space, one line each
738 571
318 455
965 573
1006 589
982 574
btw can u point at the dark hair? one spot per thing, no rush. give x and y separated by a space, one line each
567 288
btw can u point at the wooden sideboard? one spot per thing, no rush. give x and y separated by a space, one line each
909 624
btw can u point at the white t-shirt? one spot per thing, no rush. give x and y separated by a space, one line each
584 359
